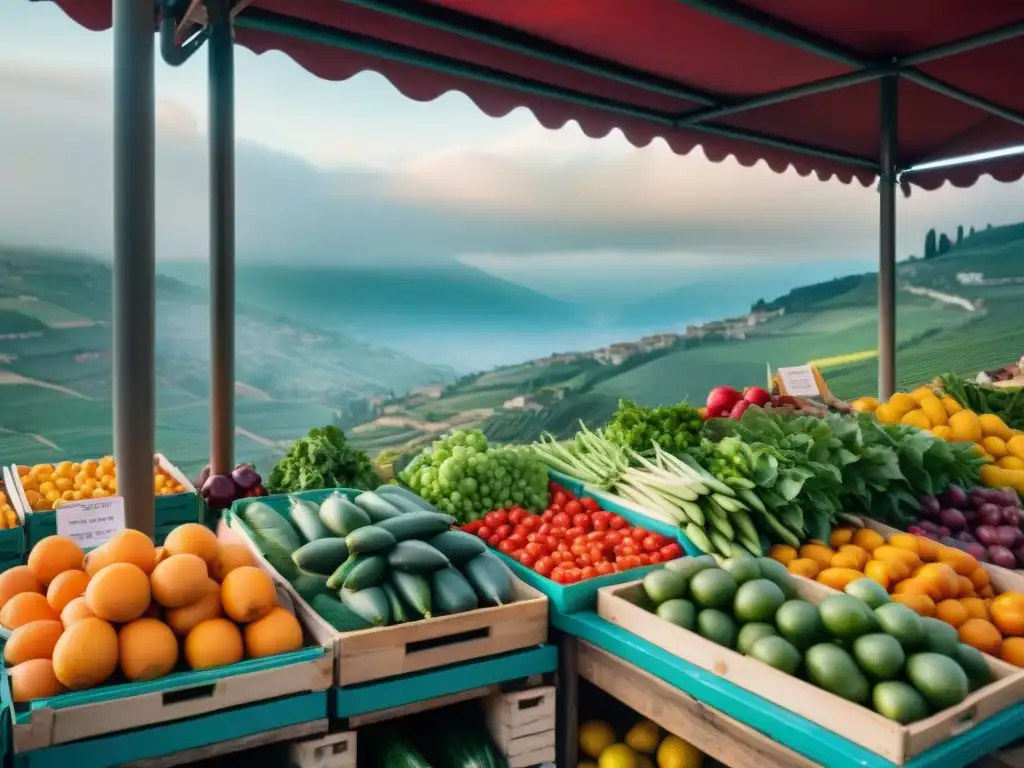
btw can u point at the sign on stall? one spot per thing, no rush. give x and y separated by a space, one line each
91 523
801 381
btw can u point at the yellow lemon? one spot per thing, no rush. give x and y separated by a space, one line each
943 432
950 405
865 404
921 393
617 756
903 402
994 446
916 418
595 737
888 414
643 737
676 753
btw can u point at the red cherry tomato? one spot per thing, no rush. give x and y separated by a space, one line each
605 567
578 540
559 499
496 518
656 558
596 555
516 516
557 531
557 575
597 536
543 566
518 539
645 558
507 546
601 524
651 544
663 540
613 537
671 551
473 526
504 531
562 520
527 559
627 562
546 515
574 532
532 522
582 520
626 550
484 532
573 508
552 543
556 557
616 523
639 534
590 504
534 537
535 548
544 529
571 575
494 541
588 573
600 514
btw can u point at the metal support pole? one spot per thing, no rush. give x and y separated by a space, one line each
222 236
887 237
134 289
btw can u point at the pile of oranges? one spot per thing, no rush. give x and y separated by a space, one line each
8 517
47 486
932 579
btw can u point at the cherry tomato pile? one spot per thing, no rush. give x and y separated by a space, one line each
573 540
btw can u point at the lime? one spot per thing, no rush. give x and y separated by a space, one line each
777 652
713 588
717 626
880 655
751 633
899 701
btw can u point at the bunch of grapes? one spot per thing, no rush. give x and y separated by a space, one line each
463 476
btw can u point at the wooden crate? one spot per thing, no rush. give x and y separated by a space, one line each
105 710
894 742
335 750
1003 579
522 725
382 652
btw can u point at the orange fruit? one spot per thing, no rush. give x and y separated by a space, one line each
822 555
890 553
982 635
1008 618
952 612
942 579
915 586
979 578
840 536
975 607
782 553
804 566
966 587
927 549
987 592
1012 651
958 560
905 541
54 555
868 539
921 604
878 571
838 578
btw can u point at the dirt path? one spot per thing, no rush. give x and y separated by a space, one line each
946 298
7 377
252 393
259 438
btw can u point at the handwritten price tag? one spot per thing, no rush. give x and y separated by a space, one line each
91 523
799 381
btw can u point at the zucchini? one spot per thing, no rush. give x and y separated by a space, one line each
321 556
458 546
417 525
306 517
414 556
402 504
270 525
337 579
369 539
392 492
369 571
414 591
341 516
490 578
370 604
338 615
376 507
451 592
398 613
309 584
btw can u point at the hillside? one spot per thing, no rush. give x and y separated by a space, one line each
834 323
55 366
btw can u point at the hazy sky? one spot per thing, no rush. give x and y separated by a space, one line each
355 171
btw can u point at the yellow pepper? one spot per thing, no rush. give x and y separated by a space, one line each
996 477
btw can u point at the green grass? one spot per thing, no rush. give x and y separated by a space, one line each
46 313
467 401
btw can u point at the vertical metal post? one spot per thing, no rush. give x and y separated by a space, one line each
134 278
222 236
888 111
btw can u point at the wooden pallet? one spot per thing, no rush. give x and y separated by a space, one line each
335 750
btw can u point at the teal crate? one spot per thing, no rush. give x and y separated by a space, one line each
12 540
114 710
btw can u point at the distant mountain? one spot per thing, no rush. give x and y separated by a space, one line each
374 302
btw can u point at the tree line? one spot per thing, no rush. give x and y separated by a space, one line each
939 244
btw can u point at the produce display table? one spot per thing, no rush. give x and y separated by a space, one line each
690 699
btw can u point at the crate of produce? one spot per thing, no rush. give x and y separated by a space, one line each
620 545
12 532
476 607
38 488
130 635
335 750
522 725
929 681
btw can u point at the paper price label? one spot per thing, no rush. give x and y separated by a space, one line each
799 381
91 523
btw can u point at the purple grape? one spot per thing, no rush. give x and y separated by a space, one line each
953 519
954 496
1002 557
929 507
1010 516
986 534
990 514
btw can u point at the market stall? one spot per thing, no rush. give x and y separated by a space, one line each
735 489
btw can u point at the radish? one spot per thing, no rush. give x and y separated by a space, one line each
756 396
722 399
739 408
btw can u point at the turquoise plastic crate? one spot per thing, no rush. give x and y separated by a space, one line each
12 540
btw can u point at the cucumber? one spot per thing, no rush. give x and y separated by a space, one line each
341 516
414 591
392 492
451 592
309 584
271 525
414 556
321 556
398 613
338 615
458 546
369 539
490 579
376 507
417 525
370 604
306 517
369 571
402 504
337 579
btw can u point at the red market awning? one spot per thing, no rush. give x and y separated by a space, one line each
682 70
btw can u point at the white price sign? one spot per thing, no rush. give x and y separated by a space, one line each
91 523
799 381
